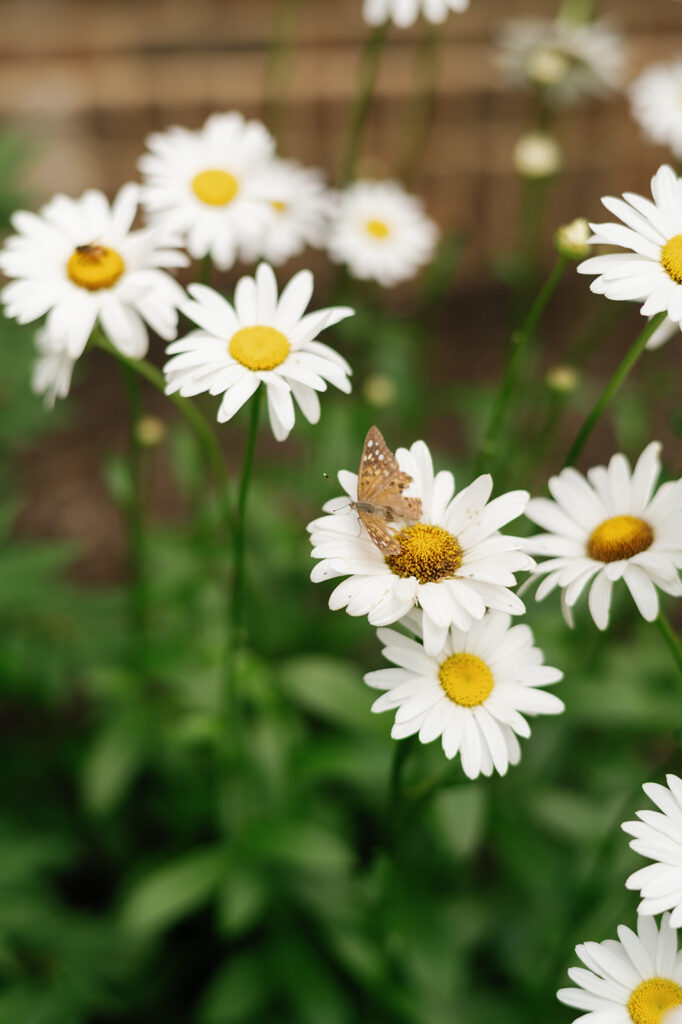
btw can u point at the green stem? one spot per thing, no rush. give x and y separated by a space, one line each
210 446
402 751
578 11
369 66
671 638
519 344
205 270
613 387
427 67
278 71
237 631
139 604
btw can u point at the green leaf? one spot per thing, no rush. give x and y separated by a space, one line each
331 689
301 845
173 891
110 767
460 817
237 993
241 900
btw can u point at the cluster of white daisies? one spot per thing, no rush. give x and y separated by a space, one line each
462 671
219 193
637 979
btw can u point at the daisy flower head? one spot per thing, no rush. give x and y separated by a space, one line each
381 233
656 105
52 369
212 185
263 338
404 13
299 215
472 694
613 525
79 262
454 563
651 272
566 61
657 835
636 979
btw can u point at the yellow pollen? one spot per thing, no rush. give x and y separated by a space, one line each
216 188
94 267
619 537
466 680
428 552
278 205
378 228
652 999
259 348
671 258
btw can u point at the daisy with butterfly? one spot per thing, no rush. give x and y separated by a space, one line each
406 540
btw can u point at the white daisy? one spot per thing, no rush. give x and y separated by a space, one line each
79 262
611 526
381 233
454 564
212 185
568 62
658 836
656 101
262 339
300 214
652 272
472 694
405 12
631 981
52 369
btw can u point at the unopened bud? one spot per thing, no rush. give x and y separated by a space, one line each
547 67
573 240
380 390
537 156
563 379
150 431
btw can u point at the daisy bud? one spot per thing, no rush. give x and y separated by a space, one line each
537 156
573 240
563 379
150 431
547 67
380 390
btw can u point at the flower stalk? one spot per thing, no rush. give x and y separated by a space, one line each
369 67
520 340
671 638
613 387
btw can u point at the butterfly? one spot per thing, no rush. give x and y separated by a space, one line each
381 483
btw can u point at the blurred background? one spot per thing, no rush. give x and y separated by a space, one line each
112 908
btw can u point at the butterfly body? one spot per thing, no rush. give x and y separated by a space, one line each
380 501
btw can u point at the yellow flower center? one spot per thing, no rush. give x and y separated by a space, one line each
216 188
278 205
671 258
378 228
428 552
466 680
94 267
259 348
652 999
619 537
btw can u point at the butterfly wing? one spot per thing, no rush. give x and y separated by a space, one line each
406 508
377 465
379 533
